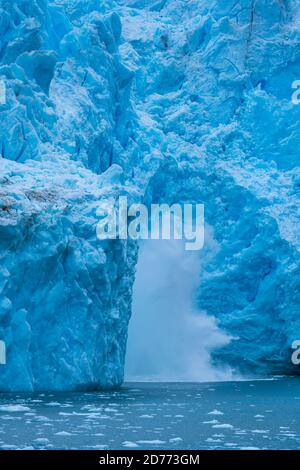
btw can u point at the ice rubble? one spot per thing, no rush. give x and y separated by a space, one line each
177 102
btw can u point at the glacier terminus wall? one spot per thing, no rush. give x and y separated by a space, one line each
174 101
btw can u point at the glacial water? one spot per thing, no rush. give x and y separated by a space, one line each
222 415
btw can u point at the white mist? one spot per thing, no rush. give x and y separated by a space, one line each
168 339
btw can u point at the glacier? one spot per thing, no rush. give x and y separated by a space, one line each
162 101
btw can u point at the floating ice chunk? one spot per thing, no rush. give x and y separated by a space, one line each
223 426
97 447
14 408
41 441
249 448
260 431
130 444
175 439
154 442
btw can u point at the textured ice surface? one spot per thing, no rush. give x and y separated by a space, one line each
65 297
167 102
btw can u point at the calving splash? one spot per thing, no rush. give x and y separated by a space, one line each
169 339
168 104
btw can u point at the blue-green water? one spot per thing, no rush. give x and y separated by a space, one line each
227 415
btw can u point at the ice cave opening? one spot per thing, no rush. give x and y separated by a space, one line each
169 339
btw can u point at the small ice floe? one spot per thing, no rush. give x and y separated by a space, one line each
212 421
53 403
91 408
11 418
179 416
87 415
175 439
146 416
223 426
97 447
210 439
130 444
230 444
14 408
259 416
41 419
41 441
154 442
260 431
63 433
249 448
215 412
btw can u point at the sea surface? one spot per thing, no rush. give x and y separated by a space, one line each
261 414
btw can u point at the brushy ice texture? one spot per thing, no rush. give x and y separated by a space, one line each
166 101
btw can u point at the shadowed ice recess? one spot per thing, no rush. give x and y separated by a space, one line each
169 339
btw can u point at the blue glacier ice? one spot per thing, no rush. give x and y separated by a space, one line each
164 101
